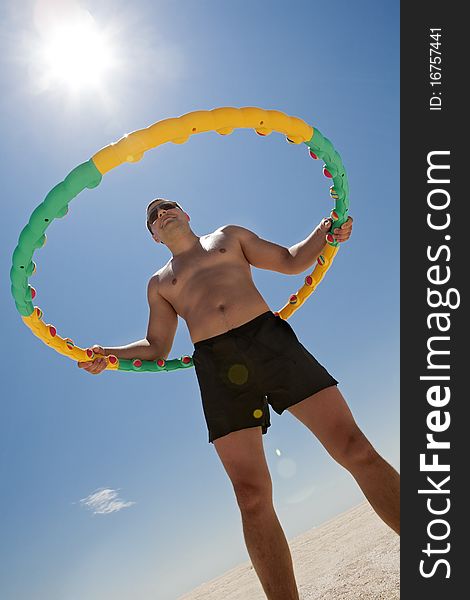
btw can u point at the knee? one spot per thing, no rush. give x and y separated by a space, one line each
253 498
356 451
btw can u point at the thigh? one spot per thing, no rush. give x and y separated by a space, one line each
329 418
289 373
231 398
242 455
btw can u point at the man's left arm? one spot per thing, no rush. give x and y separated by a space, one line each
296 259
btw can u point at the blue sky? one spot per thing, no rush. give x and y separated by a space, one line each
64 435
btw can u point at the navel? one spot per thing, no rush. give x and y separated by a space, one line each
174 281
222 250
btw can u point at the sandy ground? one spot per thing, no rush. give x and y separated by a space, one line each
353 556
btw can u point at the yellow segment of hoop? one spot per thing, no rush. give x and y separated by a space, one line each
43 332
328 252
178 130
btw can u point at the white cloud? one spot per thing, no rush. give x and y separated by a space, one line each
104 501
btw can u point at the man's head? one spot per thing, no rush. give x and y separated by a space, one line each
166 220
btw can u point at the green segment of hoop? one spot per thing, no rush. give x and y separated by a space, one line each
324 149
33 236
152 367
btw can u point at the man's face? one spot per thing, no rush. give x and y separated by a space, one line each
164 219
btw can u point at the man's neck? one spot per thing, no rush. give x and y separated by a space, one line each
183 243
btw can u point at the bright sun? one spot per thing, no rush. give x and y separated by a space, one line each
76 54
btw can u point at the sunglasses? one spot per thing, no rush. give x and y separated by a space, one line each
153 215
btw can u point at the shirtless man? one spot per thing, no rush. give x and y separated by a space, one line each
248 360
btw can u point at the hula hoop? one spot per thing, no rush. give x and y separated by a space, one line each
131 148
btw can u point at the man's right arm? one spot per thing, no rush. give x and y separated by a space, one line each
161 330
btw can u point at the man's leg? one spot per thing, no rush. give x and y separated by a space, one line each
327 415
242 454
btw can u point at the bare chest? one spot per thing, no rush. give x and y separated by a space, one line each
212 260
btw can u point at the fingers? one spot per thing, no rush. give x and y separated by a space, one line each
341 237
96 366
347 224
343 233
340 234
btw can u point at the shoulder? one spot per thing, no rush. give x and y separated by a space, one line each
152 286
156 280
236 231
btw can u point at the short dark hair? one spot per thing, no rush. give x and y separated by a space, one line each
153 202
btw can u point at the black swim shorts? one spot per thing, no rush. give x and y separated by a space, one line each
244 370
